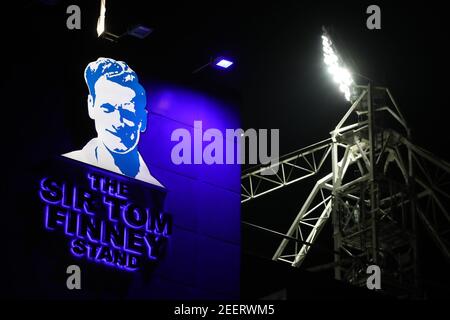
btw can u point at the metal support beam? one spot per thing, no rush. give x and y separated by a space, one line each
374 211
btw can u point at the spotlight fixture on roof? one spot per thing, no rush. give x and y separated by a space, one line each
101 18
223 63
139 31
220 62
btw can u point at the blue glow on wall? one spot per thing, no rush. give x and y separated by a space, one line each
204 200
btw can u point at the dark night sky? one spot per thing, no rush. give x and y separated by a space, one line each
278 80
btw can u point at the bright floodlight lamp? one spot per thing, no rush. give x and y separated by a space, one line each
336 67
138 31
101 18
223 63
101 29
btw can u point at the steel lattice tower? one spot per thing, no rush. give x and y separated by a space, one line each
379 188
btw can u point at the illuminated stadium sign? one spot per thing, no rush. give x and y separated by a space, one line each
117 104
103 222
100 215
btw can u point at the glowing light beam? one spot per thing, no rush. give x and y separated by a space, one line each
101 18
339 73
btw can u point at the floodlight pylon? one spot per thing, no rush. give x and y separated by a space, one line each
379 188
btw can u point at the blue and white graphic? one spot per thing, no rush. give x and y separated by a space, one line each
117 104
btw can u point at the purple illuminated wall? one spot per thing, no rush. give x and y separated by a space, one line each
203 255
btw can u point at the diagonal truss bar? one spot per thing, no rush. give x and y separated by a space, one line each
292 168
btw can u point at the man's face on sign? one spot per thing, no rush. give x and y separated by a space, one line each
118 120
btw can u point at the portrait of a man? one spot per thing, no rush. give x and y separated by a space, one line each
117 104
